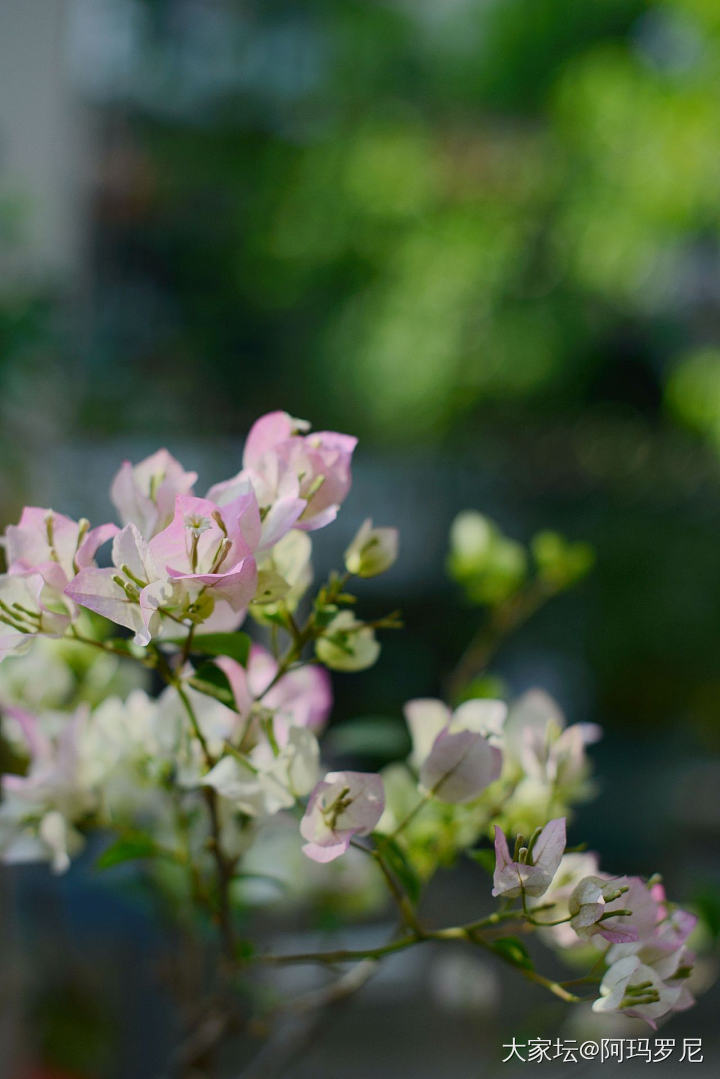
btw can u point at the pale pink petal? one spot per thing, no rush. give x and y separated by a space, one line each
237 587
425 718
362 805
280 518
37 743
238 678
323 854
505 877
131 550
93 541
460 766
550 846
95 589
265 434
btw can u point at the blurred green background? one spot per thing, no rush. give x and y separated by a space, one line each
482 235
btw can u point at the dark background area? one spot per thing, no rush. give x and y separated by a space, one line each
482 235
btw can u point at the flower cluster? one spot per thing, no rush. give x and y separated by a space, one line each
194 777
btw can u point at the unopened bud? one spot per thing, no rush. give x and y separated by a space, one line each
372 551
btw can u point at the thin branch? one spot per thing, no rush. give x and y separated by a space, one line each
503 619
197 730
342 955
110 649
224 866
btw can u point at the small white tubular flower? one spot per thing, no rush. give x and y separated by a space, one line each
661 943
373 550
593 901
618 909
342 805
29 607
347 645
632 987
536 864
573 868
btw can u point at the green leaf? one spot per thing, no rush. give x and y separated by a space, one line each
126 849
396 859
234 645
513 951
324 614
484 857
559 562
213 682
485 686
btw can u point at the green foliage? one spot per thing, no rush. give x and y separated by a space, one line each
692 393
213 682
493 569
560 563
513 951
127 848
497 193
484 686
489 566
399 863
234 645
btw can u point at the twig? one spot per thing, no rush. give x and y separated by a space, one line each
224 866
503 619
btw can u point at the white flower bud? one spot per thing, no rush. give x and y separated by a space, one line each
372 551
347 645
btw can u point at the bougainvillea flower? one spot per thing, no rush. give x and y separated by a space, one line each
663 948
300 479
347 644
427 717
279 516
38 808
594 905
53 545
115 592
372 551
144 494
342 805
636 989
199 568
266 780
29 608
538 741
460 766
595 900
300 698
572 869
534 874
203 539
